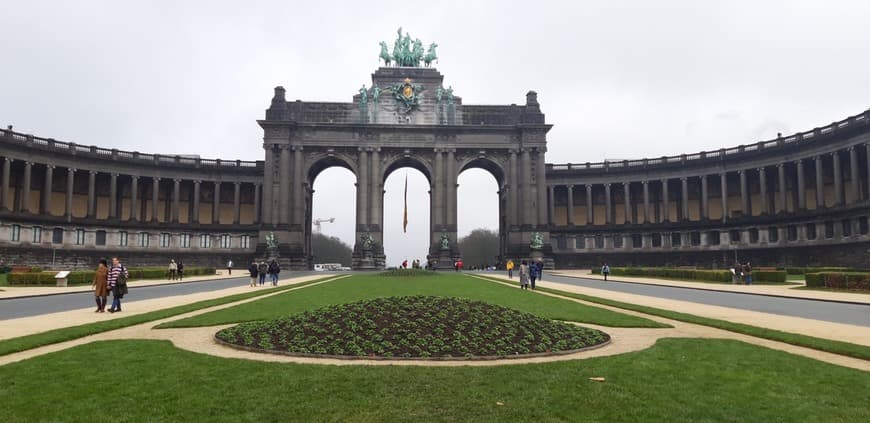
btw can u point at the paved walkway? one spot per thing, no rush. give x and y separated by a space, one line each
774 290
37 291
822 329
29 325
623 340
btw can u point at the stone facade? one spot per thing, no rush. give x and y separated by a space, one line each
794 200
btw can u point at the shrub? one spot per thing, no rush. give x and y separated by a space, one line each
769 276
665 272
86 277
840 280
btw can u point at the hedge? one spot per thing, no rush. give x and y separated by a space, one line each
840 280
87 277
693 274
806 270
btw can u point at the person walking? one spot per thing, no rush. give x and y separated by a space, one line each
540 264
101 285
180 267
173 270
274 270
747 273
605 270
262 269
459 265
230 267
253 269
510 269
524 275
533 273
117 283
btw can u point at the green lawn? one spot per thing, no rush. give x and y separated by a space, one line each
795 278
3 279
360 287
677 380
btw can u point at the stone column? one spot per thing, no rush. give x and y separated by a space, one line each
257 206
705 202
70 184
237 196
376 215
450 182
853 175
783 189
513 200
527 198
436 214
113 196
24 205
362 189
216 204
762 182
299 188
684 182
46 191
744 194
195 218
541 182
92 194
268 186
134 198
570 220
723 182
645 201
590 215
551 202
608 206
820 184
176 199
666 209
626 195
4 190
867 150
155 198
801 186
838 179
284 184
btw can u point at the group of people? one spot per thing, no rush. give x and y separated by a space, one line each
176 270
415 264
741 273
110 279
260 270
530 272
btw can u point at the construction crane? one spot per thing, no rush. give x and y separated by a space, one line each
318 221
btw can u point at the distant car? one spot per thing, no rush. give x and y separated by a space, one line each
344 268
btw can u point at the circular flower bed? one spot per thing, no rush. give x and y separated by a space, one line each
413 327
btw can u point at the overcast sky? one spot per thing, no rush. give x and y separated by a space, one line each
617 79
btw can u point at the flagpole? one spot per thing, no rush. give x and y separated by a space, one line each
405 215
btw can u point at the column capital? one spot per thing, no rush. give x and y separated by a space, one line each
817 158
799 161
134 177
114 174
741 172
8 159
850 148
607 184
28 163
49 166
197 181
644 182
570 186
93 172
236 183
684 178
155 179
176 180
761 169
70 170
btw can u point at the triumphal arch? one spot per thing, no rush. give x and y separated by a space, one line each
405 118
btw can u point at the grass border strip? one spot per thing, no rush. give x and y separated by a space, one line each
827 345
422 360
28 342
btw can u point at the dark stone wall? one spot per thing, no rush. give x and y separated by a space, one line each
80 259
849 255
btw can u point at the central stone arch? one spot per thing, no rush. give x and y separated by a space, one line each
382 130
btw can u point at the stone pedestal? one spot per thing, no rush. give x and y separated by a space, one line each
442 260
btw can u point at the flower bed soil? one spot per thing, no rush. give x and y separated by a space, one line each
413 327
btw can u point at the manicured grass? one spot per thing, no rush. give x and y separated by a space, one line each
361 287
21 343
677 380
836 347
795 278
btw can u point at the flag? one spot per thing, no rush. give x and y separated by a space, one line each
405 219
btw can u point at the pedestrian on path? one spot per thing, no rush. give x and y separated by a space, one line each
262 269
117 281
524 275
180 269
747 273
605 270
274 270
540 264
173 270
534 272
101 285
253 269
230 267
510 269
